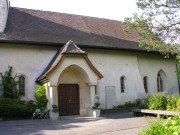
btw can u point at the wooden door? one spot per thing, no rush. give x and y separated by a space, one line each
68 99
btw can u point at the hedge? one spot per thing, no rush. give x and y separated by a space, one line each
16 109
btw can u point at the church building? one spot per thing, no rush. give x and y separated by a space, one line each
80 60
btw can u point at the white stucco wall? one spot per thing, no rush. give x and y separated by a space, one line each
152 66
134 66
32 60
29 61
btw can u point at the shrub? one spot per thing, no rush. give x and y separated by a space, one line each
138 103
144 103
172 102
157 101
161 102
96 105
125 105
40 96
170 126
31 105
15 109
9 84
178 104
54 108
154 128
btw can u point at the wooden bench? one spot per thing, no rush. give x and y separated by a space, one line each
141 112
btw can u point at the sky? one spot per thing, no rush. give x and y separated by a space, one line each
109 9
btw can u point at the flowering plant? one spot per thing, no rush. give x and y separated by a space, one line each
41 114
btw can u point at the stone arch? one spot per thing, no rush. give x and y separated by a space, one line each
78 64
76 74
73 74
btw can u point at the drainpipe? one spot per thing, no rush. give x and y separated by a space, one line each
177 77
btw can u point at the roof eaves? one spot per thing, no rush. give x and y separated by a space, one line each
121 49
30 42
80 45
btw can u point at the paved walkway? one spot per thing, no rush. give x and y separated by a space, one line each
109 124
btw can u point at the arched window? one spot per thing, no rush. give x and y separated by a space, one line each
161 81
145 82
122 83
22 86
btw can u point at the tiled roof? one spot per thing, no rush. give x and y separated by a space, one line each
70 48
35 26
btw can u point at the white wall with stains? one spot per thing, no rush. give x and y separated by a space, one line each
31 60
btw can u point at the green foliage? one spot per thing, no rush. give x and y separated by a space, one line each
172 102
154 128
157 101
40 96
96 105
126 105
16 109
178 104
178 66
54 108
139 103
31 105
160 101
144 103
9 84
157 24
170 126
12 108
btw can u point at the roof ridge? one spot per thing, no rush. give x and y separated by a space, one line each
69 14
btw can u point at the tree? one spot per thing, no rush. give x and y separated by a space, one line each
40 96
158 25
9 84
